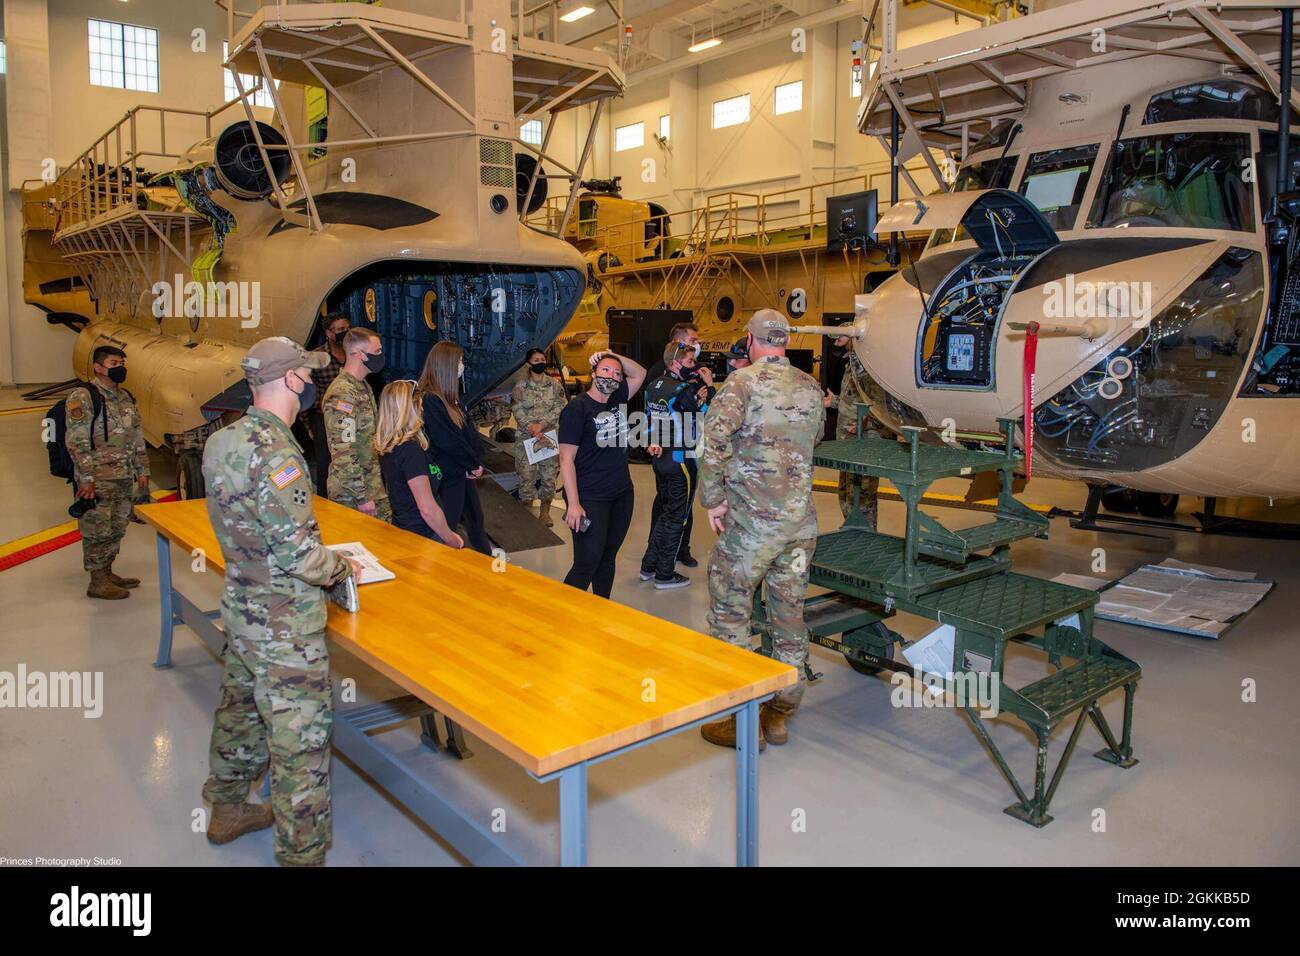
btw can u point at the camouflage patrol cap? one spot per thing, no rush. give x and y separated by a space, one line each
769 327
271 358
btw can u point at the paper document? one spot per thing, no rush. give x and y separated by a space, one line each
932 654
543 447
1193 599
371 569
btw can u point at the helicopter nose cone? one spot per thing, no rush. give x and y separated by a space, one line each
945 336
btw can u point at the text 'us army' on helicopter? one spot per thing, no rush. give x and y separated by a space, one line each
1137 203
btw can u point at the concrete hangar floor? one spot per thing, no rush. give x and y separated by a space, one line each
877 784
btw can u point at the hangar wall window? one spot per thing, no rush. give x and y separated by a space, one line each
123 56
788 98
664 127
629 137
531 132
3 67
248 80
731 112
1186 180
1056 180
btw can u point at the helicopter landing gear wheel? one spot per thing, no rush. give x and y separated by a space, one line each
189 476
1152 504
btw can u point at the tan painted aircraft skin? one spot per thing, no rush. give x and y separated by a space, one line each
179 363
1247 446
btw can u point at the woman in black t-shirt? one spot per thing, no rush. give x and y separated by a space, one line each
453 442
593 465
404 461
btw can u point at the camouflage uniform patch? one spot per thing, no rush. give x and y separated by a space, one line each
354 473
756 450
536 401
114 462
275 694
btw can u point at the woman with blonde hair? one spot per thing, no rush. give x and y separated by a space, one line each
453 442
403 459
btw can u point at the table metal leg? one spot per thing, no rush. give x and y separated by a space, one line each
168 619
747 785
573 816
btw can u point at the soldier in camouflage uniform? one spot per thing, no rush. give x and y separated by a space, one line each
355 479
276 702
537 402
756 481
857 388
110 467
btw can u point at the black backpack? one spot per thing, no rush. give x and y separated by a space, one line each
61 465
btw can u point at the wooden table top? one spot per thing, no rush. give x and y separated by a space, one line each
545 673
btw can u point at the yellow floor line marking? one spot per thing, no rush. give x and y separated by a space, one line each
38 537
24 411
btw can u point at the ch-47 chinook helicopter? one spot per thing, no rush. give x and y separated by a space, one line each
1135 196
391 185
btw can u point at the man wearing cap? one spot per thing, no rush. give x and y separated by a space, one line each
275 693
756 482
355 479
857 388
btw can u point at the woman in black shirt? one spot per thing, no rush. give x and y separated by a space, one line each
453 442
404 461
593 464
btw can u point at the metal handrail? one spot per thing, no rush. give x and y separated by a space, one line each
719 220
108 176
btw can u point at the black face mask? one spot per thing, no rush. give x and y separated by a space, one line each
538 367
692 373
839 351
375 362
117 375
336 337
307 397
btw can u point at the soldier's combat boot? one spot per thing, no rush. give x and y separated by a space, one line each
544 511
773 724
722 733
232 820
102 586
122 582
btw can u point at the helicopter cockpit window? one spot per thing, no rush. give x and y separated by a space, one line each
1183 180
990 174
1055 182
1213 99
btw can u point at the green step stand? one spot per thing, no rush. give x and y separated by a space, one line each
964 578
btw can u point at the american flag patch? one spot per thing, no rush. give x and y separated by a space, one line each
289 473
344 406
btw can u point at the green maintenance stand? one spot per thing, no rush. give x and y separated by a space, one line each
964 578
